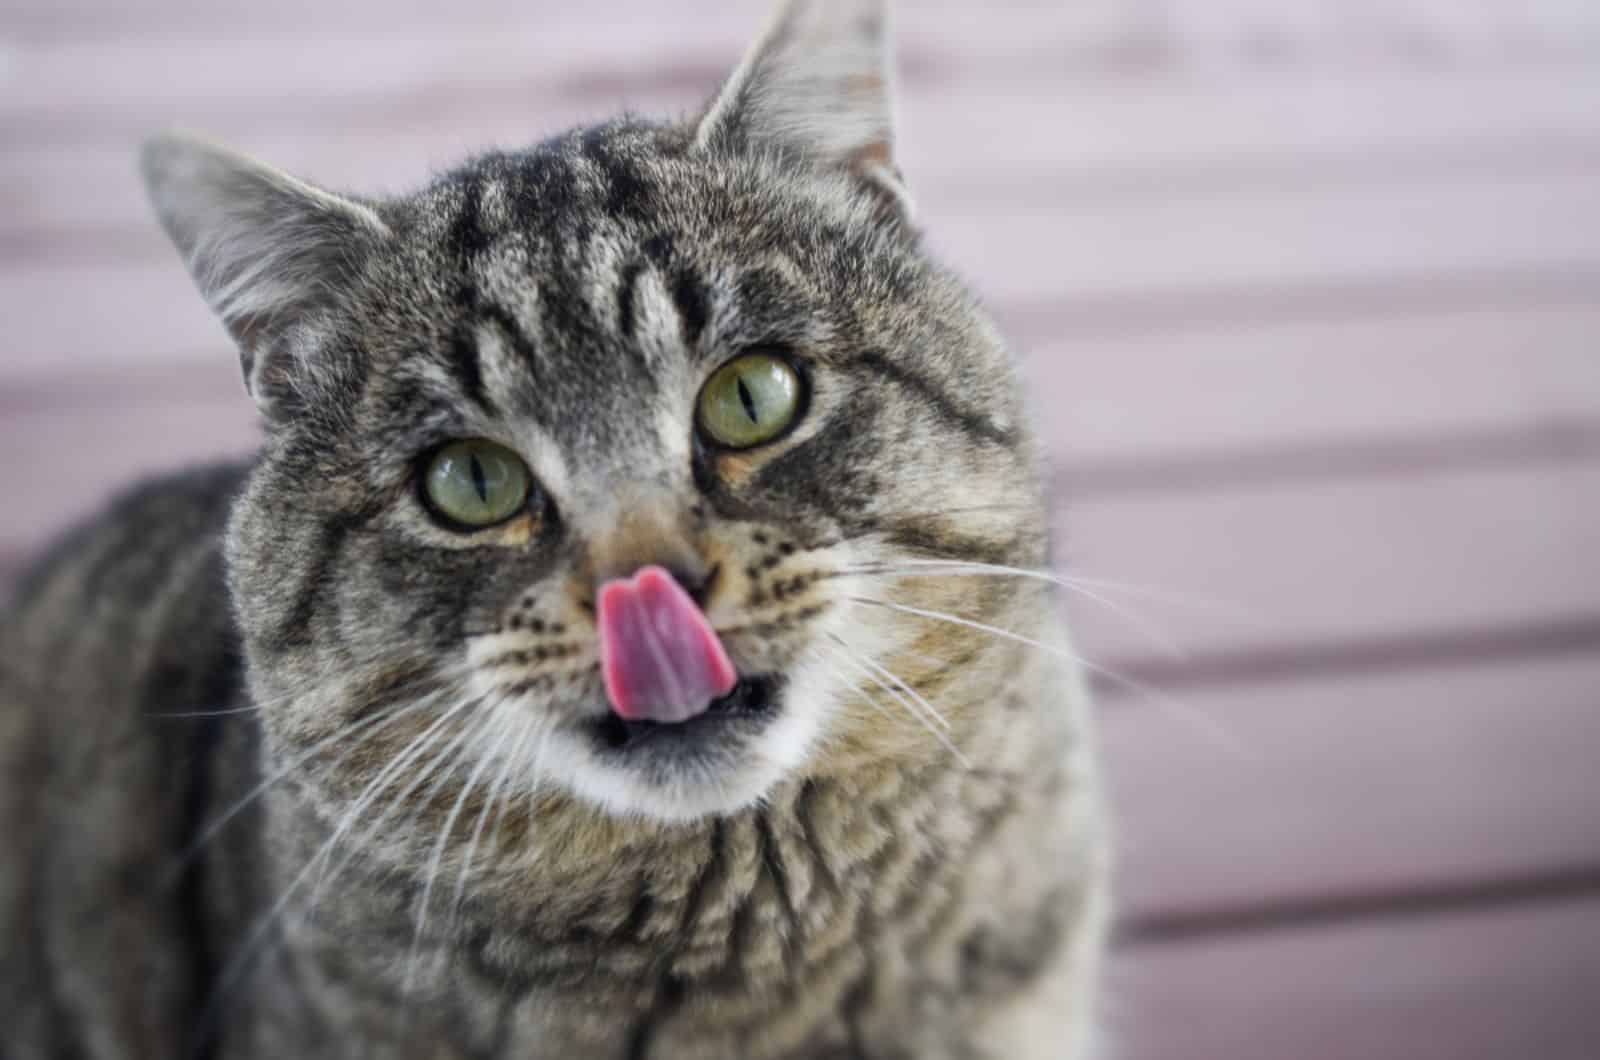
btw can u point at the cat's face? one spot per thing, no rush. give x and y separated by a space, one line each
565 311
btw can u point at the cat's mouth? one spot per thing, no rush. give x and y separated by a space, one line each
752 702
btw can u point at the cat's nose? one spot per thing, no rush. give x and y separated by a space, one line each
696 580
648 538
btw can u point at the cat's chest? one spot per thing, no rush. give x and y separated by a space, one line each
814 928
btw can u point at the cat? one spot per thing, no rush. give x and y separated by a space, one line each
630 641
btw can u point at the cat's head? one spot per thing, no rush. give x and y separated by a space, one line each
713 350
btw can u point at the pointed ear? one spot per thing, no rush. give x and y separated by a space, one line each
817 84
264 248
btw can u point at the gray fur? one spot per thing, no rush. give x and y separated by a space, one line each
392 830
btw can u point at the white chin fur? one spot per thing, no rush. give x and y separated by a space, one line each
625 791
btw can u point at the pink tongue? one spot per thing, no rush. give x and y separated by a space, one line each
660 658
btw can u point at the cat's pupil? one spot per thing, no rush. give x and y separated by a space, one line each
480 481
748 401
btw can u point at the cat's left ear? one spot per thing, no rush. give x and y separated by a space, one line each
818 85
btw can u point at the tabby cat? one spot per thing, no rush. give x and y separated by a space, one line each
628 642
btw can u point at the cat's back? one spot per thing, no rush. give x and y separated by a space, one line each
122 605
113 647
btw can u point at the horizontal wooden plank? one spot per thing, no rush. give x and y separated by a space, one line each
1118 252
1515 982
1089 17
1199 29
1291 794
1263 240
1420 28
1176 394
960 142
1280 564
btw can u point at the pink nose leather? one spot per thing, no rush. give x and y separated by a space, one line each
660 658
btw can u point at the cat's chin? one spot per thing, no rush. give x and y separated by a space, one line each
715 764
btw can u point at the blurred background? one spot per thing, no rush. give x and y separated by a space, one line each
1309 295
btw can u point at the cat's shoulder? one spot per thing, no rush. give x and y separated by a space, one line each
119 685
145 568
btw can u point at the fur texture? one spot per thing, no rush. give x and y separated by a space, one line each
373 807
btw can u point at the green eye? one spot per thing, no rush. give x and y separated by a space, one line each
749 400
475 483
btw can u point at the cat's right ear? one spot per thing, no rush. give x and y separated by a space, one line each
818 86
265 248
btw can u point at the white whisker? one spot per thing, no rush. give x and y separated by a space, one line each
253 706
545 732
863 666
497 789
414 749
436 859
822 659
204 713
236 966
981 627
374 722
935 568
1207 724
432 773
896 681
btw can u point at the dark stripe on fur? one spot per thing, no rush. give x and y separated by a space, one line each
627 193
467 234
921 537
638 914
627 284
566 315
839 470
804 807
510 331
943 404
470 241
669 989
295 630
772 860
465 366
689 297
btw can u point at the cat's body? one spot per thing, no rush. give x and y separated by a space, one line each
887 914
376 806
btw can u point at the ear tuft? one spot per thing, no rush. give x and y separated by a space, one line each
817 84
264 248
